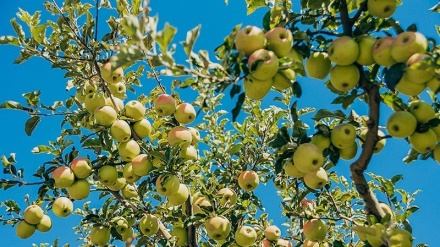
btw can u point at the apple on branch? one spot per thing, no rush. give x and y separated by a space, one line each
250 39
280 41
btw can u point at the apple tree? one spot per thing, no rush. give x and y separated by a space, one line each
176 164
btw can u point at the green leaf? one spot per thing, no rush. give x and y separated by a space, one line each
18 30
41 149
238 106
31 124
253 5
191 37
235 90
9 40
281 139
11 105
163 38
393 101
297 91
323 113
346 100
39 33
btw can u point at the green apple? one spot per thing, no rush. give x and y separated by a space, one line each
165 105
317 179
105 115
250 39
141 165
93 101
100 235
291 170
129 233
179 134
149 225
295 57
263 64
308 158
62 207
158 162
382 52
228 197
180 197
436 153
167 184
398 237
401 124
315 229
181 235
422 111
408 87
245 236
185 113
318 65
256 89
135 110
142 128
129 191
376 239
129 150
33 214
283 79
79 190
24 230
279 40
218 227
200 203
321 141
381 8
84 89
419 70
118 90
434 84
116 103
111 75
379 145
120 131
406 44
107 175
128 173
81 167
366 44
343 136
45 224
188 152
118 185
272 233
343 50
423 142
348 153
63 176
195 135
121 224
344 78
248 180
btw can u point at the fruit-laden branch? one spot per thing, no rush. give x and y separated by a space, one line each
191 229
358 167
162 228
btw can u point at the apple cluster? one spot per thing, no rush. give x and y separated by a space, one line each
33 219
413 124
265 52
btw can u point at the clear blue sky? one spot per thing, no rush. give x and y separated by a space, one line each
217 20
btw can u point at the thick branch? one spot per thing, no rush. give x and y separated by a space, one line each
191 229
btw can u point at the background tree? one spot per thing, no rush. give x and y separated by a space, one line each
150 173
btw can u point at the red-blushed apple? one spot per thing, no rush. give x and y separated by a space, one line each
381 8
149 225
344 78
382 52
185 113
165 105
279 40
45 224
33 214
135 110
308 158
79 190
63 176
110 74
406 44
120 131
141 165
272 233
107 175
318 65
343 50
105 115
167 184
250 39
81 167
62 207
129 150
142 128
180 197
256 89
263 64
248 180
179 134
218 227
100 235
284 243
315 229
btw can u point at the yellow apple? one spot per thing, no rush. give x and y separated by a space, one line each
434 84
149 225
179 134
62 207
343 136
129 191
100 235
248 180
256 89
419 70
218 227
408 87
195 135
228 197
436 153
315 230
366 44
379 145
93 101
317 179
142 128
135 110
344 78
321 141
423 142
422 111
291 170
318 65
348 153
185 113
343 51
33 214
263 64
180 197
141 165
24 230
63 176
283 79
128 173
107 175
376 239
200 203
381 8
111 75
188 152
401 124
105 115
279 40
118 185
398 237
181 235
79 190
250 39
167 184
120 131
272 233
129 150
245 236
118 90
308 158
45 224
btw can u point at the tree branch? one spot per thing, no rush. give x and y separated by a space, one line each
191 229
